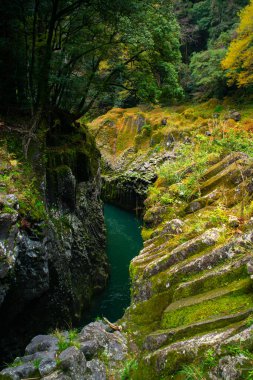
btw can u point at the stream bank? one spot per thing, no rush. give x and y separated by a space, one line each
52 234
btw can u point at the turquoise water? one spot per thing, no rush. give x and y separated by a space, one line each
123 243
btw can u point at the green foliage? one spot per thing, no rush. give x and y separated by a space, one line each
210 359
36 363
249 375
235 141
16 363
238 350
88 53
218 216
218 109
167 199
68 340
192 372
207 28
207 74
129 368
249 321
146 129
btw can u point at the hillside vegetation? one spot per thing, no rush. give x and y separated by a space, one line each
191 309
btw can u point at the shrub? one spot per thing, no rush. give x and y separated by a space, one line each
126 372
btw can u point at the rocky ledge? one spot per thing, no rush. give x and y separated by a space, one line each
52 237
191 314
192 300
71 355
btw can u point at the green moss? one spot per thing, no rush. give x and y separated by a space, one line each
225 305
145 316
206 280
146 233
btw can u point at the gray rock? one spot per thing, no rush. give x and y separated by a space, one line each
11 200
40 355
96 370
6 222
174 227
69 248
66 191
47 366
235 115
139 122
23 371
42 343
229 367
117 348
233 221
89 348
194 206
4 269
96 330
170 140
73 362
57 376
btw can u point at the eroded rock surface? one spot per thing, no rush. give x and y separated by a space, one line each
51 263
64 357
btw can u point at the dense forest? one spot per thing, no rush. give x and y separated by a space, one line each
126 166
74 55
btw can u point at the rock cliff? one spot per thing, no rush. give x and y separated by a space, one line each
191 312
191 309
52 237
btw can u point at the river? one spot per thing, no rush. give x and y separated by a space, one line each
123 234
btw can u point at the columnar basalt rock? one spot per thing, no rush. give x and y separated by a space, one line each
194 296
55 264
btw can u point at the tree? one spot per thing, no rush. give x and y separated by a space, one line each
239 59
72 53
207 74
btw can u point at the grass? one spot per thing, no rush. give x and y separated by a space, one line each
198 141
130 366
192 372
16 363
18 178
68 340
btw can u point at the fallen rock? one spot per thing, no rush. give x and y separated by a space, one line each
96 370
73 362
21 372
42 343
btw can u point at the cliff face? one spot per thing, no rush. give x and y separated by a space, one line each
192 283
192 305
191 312
52 237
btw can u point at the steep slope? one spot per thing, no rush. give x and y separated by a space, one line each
191 284
52 235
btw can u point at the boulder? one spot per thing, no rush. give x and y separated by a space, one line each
73 363
96 370
23 371
42 343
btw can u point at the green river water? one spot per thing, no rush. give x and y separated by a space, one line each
123 243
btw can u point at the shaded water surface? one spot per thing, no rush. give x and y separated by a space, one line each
123 243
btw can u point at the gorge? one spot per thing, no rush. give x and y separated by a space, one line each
126 190
191 285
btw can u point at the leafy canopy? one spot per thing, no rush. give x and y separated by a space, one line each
71 55
239 59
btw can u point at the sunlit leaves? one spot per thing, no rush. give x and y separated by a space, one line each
239 59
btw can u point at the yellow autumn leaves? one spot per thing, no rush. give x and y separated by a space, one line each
239 59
